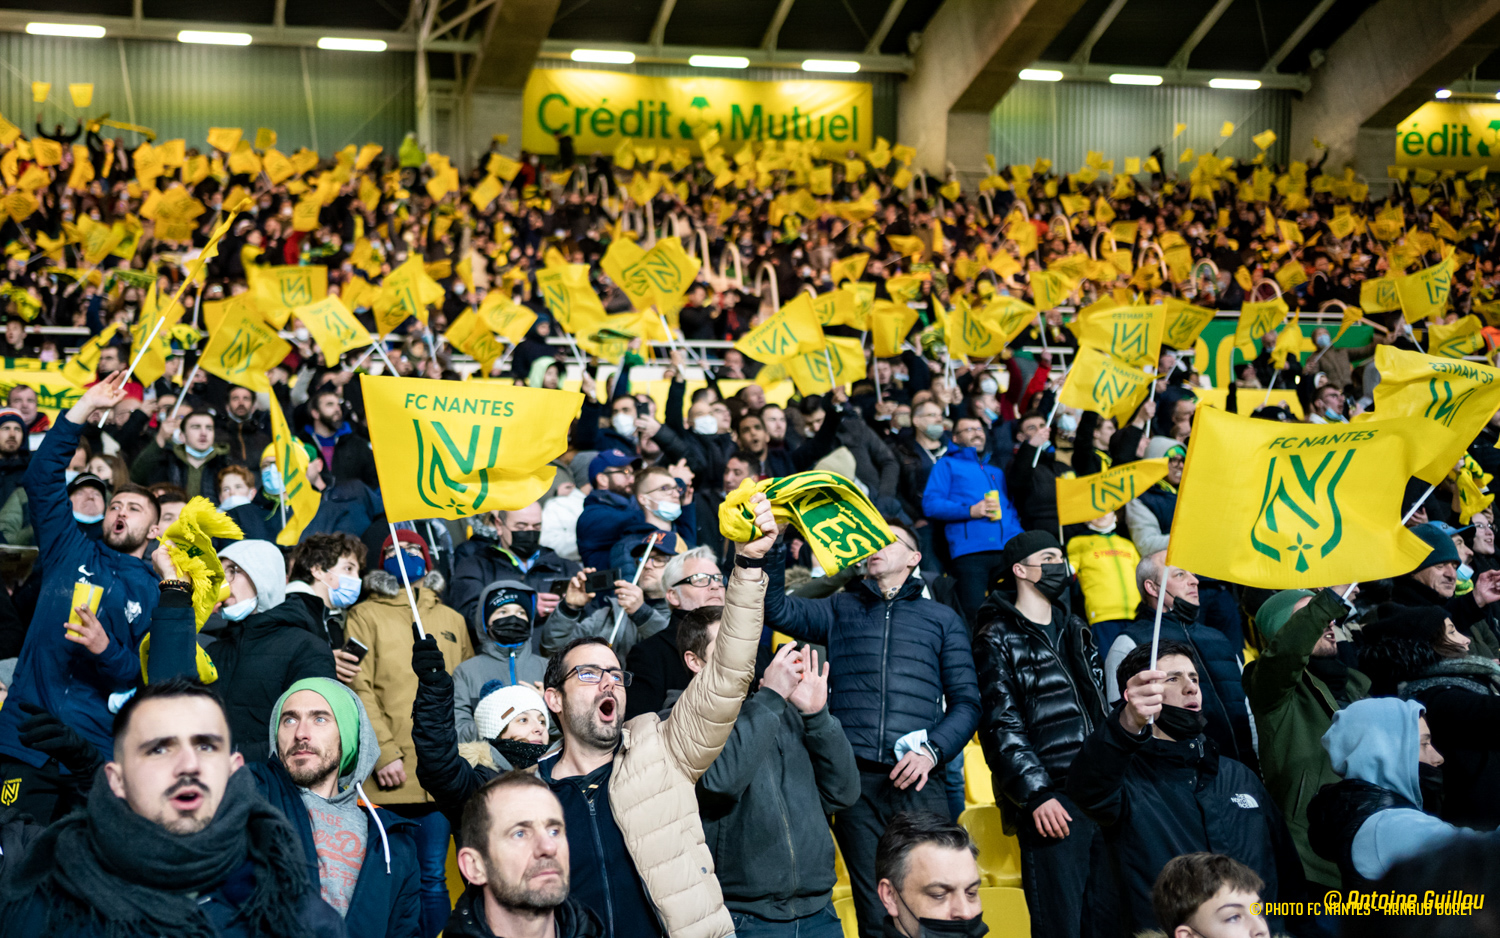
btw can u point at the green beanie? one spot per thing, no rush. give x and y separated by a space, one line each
1275 612
345 714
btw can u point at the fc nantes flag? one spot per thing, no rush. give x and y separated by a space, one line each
837 519
445 449
793 331
1087 497
302 500
810 371
1131 334
279 290
333 327
1103 385
1459 395
1284 506
1425 293
242 350
1184 322
1257 319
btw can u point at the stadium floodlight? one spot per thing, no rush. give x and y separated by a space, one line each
1040 74
1442 93
1234 84
1127 78
70 30
345 44
830 65
213 37
719 61
605 56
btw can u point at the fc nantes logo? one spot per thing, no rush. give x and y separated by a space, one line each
10 791
438 456
1299 510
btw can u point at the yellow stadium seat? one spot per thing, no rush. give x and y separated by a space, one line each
978 788
1004 911
841 887
999 854
845 910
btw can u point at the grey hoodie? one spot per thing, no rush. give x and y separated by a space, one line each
340 830
494 663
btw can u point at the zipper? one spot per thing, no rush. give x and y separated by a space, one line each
885 651
786 825
1088 722
609 900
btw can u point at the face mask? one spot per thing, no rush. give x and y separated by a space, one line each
47 355
991 414
1465 572
525 543
239 610
1322 341
198 453
933 431
346 593
903 420
1067 423
967 927
301 334
1430 780
520 753
232 502
510 630
1180 723
1054 580
1185 611
270 480
706 425
624 424
988 386
87 519
416 567
1108 528
667 511
69 475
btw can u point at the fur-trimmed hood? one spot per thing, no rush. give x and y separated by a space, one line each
1471 672
386 584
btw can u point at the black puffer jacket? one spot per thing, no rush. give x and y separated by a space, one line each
1335 815
441 771
570 920
1039 702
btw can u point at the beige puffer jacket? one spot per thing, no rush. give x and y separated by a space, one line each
652 791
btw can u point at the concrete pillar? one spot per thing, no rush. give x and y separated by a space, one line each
970 54
1385 66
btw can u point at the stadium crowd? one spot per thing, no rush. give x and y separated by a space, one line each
629 724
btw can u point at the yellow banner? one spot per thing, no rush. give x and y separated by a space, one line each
1088 497
54 392
1132 334
1459 395
302 500
1442 135
602 109
1104 385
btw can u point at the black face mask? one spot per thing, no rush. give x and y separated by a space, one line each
510 630
1180 723
1430 778
966 927
520 753
1186 612
525 543
1054 580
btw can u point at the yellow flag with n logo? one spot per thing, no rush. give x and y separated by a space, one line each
446 449
794 330
406 291
302 500
1185 322
840 308
1379 295
1464 337
333 327
1100 383
1284 506
506 317
81 368
889 325
1424 294
1257 319
1459 396
810 372
849 268
279 290
622 255
242 350
980 333
470 335
663 274
1131 334
55 390
1085 498
571 298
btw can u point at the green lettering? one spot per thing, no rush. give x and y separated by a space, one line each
741 129
602 127
1411 144
541 112
838 128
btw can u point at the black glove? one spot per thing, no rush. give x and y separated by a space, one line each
427 660
48 735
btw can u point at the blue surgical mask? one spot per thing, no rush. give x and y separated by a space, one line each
667 511
87 519
69 475
239 610
198 453
416 567
991 414
934 431
346 593
231 502
270 480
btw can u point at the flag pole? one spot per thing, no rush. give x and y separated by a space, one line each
185 386
1161 600
1418 504
634 581
406 581
829 362
379 349
1270 387
146 345
1036 451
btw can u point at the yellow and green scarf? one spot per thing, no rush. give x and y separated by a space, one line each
832 514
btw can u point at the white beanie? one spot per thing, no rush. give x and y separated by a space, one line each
266 568
499 706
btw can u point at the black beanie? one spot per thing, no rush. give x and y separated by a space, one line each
1025 544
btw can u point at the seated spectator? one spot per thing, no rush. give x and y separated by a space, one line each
193 464
1209 895
88 494
630 614
518 554
928 878
508 650
179 841
691 581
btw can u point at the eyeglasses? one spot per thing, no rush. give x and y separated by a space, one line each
231 570
1483 526
593 674
669 489
701 580
620 472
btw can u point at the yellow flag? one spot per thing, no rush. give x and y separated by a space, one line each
1280 505
1290 275
1352 315
849 268
840 308
664 274
242 350
1177 130
1264 139
81 368
302 500
980 333
406 291
1474 495
82 94
1257 319
1342 227
908 245
1461 338
1130 334
505 317
570 298
40 90
453 450
1103 385
1184 322
470 334
1379 295
1085 498
224 138
333 328
1049 288
279 290
1425 293
810 372
1458 395
794 330
889 325
1288 344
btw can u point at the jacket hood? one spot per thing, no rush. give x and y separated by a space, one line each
369 745
1376 740
381 583
476 619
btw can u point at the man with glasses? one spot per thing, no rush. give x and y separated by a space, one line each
632 613
638 858
609 508
900 657
691 580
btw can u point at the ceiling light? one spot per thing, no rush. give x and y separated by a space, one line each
719 61
1234 84
1040 74
830 65
214 38
72 30
606 56
1125 78
344 44
1442 93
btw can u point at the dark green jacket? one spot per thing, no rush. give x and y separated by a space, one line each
1293 709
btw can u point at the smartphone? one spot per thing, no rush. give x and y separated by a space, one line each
356 648
601 581
559 587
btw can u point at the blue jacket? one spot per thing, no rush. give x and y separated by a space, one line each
894 662
348 507
54 673
383 904
958 481
608 516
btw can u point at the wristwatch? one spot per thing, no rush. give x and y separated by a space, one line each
749 563
185 585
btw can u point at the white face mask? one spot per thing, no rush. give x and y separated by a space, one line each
988 386
231 502
239 610
1067 423
301 334
706 424
624 424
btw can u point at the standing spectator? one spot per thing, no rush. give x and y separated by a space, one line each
507 650
1106 562
193 464
900 658
1149 516
631 613
244 429
609 508
765 463
15 455
518 555
929 880
324 579
346 454
1033 488
691 581
1041 695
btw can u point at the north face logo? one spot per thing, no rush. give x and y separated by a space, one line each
1244 801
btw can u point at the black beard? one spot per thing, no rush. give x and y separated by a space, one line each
586 731
126 543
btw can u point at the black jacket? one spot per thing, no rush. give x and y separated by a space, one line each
258 658
571 919
247 438
1037 702
12 468
1335 815
1462 697
760 802
492 562
352 458
1157 799
1033 489
441 771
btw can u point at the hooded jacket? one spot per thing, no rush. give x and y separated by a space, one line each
1373 819
385 683
486 563
352 456
494 662
566 623
1462 697
384 897
956 483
